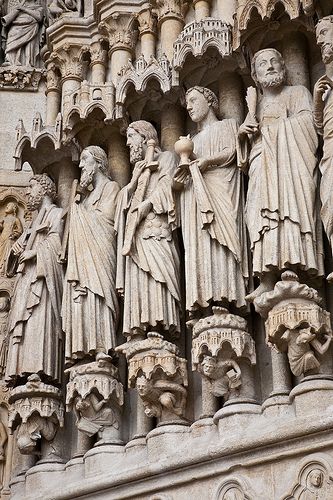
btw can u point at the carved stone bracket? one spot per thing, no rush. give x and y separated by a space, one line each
96 396
139 75
219 342
16 77
197 37
159 375
296 323
37 409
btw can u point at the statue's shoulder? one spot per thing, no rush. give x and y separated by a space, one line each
111 188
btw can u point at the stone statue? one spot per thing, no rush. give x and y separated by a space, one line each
90 305
148 261
4 309
23 33
281 201
302 359
34 324
211 210
323 113
224 375
57 7
11 228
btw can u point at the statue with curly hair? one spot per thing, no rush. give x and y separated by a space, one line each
34 323
211 210
90 306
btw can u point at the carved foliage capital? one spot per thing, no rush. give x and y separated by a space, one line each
69 61
120 31
98 54
167 9
147 21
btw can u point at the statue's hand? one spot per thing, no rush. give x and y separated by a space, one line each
321 86
181 174
202 164
17 248
249 127
27 255
143 209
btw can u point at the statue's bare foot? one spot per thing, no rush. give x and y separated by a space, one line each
330 278
265 286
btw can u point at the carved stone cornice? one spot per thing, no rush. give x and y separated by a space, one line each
119 31
147 20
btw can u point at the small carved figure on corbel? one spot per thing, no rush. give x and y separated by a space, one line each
301 356
224 376
11 229
163 399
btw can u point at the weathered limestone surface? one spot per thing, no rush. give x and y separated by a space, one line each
166 235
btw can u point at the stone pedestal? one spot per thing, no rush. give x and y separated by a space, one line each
312 396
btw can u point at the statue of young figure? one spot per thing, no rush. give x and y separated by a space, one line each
11 229
148 261
281 212
211 210
323 113
34 323
90 306
23 35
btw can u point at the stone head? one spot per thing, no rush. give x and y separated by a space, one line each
40 185
138 133
199 102
268 68
143 386
11 208
316 478
208 366
324 33
92 160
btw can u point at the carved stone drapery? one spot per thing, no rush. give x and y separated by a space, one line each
96 396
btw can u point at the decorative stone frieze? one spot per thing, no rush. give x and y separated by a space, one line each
197 37
95 395
296 323
160 376
37 411
15 77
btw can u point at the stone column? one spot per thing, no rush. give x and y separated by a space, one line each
72 75
296 59
118 158
147 29
231 97
202 9
226 10
53 94
98 64
172 125
170 20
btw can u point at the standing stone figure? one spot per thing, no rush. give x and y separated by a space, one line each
281 210
23 33
148 261
211 210
34 324
323 113
11 228
90 306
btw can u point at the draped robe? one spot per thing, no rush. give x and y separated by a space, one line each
326 167
11 230
34 322
214 233
90 305
150 275
282 210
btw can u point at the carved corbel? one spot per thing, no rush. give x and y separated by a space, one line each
159 375
37 410
221 343
296 323
95 395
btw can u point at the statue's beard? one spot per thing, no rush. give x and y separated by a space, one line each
136 153
34 202
327 53
273 80
86 178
